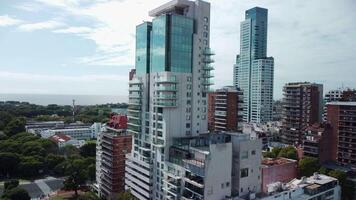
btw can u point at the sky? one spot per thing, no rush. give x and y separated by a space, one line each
88 46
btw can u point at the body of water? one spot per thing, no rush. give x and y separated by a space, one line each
45 99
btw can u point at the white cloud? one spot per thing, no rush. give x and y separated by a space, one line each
6 75
75 30
29 7
6 20
51 24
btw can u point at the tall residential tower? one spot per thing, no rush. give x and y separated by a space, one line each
253 71
168 94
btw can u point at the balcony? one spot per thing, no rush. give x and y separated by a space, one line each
208 60
208 75
208 52
207 82
165 79
135 88
165 103
167 87
166 96
208 67
135 96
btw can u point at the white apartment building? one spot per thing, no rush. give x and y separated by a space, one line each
79 133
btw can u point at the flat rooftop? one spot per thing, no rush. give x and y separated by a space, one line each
277 161
342 103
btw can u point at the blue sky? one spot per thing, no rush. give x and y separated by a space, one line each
87 46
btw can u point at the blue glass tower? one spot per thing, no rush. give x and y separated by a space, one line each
253 72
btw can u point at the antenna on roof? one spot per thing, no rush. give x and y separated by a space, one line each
73 114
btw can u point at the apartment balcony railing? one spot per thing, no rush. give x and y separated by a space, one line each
208 67
167 87
208 52
167 79
207 82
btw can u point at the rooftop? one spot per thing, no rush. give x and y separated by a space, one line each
60 138
170 6
342 103
277 161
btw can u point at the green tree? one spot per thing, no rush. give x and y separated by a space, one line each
308 165
347 190
77 173
16 194
9 163
5 118
88 150
288 152
10 184
16 125
69 150
125 196
53 160
31 166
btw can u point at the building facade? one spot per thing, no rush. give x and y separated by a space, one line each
302 107
318 186
168 94
225 109
254 71
342 118
278 170
320 142
112 146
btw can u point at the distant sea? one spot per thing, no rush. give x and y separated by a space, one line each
45 99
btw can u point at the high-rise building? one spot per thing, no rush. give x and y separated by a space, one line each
211 111
168 94
112 146
302 107
254 71
342 118
319 142
225 109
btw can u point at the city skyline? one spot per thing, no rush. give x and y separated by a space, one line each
81 47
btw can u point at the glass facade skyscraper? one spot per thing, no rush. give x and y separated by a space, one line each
253 71
168 98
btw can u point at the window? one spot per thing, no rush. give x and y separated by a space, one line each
244 172
222 185
206 19
205 34
187 125
244 154
206 27
253 152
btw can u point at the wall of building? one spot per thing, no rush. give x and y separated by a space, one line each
278 173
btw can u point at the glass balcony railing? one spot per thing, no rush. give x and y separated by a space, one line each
166 96
167 88
135 96
134 128
165 79
208 60
165 103
208 82
135 102
208 75
135 82
208 67
208 51
134 107
135 88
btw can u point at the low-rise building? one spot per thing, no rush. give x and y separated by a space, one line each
62 140
278 170
317 186
76 132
